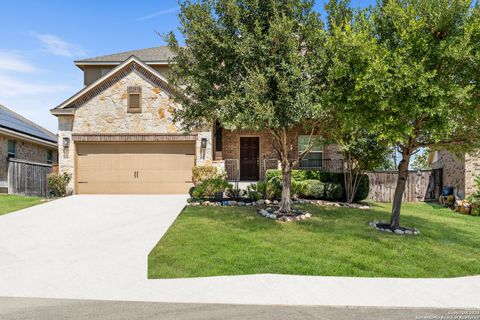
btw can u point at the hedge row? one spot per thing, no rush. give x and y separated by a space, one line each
321 185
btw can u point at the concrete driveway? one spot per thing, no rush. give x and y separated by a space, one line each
96 247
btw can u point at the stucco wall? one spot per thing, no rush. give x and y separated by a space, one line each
25 150
107 113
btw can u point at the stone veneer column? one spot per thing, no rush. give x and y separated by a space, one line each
66 161
204 156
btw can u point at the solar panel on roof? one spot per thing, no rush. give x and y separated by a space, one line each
11 121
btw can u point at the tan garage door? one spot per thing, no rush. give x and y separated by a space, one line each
134 168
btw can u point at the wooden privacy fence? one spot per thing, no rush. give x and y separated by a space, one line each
419 186
28 178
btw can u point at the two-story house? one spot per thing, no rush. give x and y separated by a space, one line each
116 135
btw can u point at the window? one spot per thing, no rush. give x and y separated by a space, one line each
134 99
313 159
49 156
12 148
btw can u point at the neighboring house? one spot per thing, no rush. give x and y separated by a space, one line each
22 140
458 172
116 135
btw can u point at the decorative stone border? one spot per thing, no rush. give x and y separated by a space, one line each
275 202
297 215
385 227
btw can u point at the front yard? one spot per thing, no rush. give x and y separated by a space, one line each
10 203
214 241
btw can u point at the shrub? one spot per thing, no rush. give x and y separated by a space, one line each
253 194
274 187
333 177
363 189
271 173
207 172
297 175
313 189
298 189
57 183
333 191
208 188
257 191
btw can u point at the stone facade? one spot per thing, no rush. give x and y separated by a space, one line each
106 113
24 150
453 171
472 169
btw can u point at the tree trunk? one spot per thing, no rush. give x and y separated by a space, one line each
285 207
400 188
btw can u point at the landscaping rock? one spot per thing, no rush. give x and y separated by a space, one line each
241 204
267 202
264 212
260 202
308 215
275 202
399 231
232 203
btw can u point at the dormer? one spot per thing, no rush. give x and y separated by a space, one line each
94 68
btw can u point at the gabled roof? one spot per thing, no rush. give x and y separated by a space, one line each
148 55
12 121
69 105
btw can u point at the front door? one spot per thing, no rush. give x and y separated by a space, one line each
249 158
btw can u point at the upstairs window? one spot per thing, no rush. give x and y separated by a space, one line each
49 156
134 99
12 148
314 157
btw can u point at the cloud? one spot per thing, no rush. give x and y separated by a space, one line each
55 45
12 86
159 13
13 62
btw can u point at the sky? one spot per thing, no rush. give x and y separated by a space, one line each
39 40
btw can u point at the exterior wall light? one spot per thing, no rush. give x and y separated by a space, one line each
203 143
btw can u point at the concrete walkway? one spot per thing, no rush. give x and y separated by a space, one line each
96 247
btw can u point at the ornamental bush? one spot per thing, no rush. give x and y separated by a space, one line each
208 188
333 191
57 184
332 182
313 189
207 172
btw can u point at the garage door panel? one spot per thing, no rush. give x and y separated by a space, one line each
134 168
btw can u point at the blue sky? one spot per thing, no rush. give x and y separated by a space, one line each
39 40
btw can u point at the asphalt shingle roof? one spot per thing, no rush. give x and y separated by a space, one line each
15 122
160 54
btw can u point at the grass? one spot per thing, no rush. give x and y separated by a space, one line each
10 203
213 241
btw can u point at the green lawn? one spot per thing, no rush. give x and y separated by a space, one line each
10 203
211 241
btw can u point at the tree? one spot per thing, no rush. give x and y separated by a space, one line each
253 65
361 152
408 71
422 83
348 55
421 161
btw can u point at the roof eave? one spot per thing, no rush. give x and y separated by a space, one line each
115 63
62 112
27 137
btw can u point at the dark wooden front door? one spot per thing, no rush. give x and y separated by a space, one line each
249 158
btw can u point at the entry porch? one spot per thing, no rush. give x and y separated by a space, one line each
247 155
